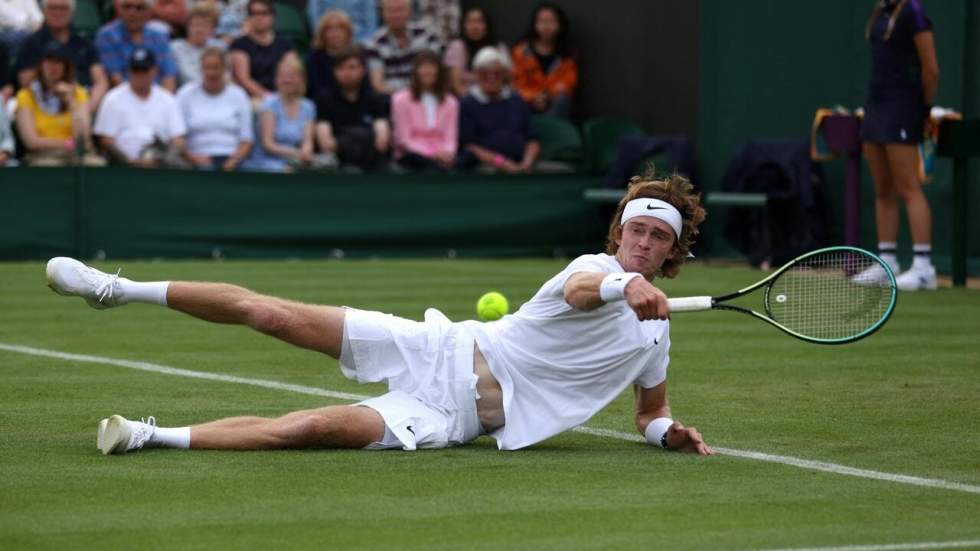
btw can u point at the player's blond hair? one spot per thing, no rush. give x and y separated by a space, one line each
679 192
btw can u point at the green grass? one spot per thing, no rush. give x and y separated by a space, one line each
902 401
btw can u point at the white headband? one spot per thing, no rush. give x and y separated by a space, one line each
656 208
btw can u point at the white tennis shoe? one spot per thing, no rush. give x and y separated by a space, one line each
917 279
69 277
120 435
873 276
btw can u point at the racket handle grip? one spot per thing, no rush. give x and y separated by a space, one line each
689 304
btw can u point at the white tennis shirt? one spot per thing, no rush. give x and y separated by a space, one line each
134 122
558 366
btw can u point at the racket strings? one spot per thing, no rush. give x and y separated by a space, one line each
819 297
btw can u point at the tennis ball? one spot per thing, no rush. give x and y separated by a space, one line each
492 306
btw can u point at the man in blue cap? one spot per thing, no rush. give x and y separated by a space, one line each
140 122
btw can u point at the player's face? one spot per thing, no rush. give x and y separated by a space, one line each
645 244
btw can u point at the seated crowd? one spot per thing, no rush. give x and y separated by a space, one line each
213 86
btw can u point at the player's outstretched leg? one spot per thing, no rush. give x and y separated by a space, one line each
309 326
329 427
69 277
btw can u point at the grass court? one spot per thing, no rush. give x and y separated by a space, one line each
902 402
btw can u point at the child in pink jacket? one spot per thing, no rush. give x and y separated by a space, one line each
425 117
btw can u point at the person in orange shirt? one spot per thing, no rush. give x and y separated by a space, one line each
545 72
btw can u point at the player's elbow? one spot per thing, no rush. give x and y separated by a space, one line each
578 297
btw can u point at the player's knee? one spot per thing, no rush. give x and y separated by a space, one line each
265 317
319 429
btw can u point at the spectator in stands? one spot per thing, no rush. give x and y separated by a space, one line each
172 14
201 22
425 117
439 16
218 116
475 34
334 34
545 73
116 41
362 16
139 122
285 134
494 123
352 120
18 19
393 47
231 19
256 55
7 150
89 72
53 119
6 84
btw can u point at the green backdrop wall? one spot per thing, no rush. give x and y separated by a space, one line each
767 65
126 213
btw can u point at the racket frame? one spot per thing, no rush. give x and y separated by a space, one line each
717 303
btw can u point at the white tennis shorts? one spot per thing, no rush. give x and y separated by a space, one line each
428 367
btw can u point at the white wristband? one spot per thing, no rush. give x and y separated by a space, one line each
613 286
657 431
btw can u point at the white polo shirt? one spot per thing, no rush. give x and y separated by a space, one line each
217 123
133 122
558 366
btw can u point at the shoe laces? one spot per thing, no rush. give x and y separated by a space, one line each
106 289
142 432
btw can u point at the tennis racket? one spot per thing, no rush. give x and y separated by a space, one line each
815 297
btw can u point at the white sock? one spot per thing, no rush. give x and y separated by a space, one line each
163 437
151 292
886 250
921 260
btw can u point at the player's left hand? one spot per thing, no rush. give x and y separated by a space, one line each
686 439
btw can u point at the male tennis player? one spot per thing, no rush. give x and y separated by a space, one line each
588 333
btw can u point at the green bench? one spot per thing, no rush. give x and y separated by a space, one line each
712 198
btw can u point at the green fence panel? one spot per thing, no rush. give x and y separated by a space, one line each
120 212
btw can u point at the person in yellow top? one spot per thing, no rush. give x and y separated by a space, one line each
52 115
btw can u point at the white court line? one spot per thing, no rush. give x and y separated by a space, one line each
785 460
890 546
808 464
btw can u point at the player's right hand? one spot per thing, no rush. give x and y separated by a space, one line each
647 301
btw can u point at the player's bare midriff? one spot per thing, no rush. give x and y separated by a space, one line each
490 405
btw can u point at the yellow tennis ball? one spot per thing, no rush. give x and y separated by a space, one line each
492 306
